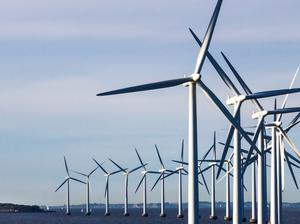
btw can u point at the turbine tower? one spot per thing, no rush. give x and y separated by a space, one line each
67 181
106 193
161 178
87 208
181 171
126 174
144 180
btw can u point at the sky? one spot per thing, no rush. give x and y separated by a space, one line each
57 55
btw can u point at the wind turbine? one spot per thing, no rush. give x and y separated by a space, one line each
106 193
161 178
87 210
126 174
275 205
67 180
144 180
181 171
195 78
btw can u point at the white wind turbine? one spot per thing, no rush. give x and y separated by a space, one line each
87 208
144 180
106 193
181 171
195 78
67 181
213 164
126 174
276 160
161 178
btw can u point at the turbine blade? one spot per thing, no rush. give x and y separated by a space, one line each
226 147
101 167
272 93
131 171
275 108
140 159
295 119
182 149
159 157
185 171
255 138
287 95
180 162
284 111
158 179
289 141
117 165
227 173
206 154
153 172
140 183
295 165
291 170
80 181
115 172
224 170
204 181
218 68
146 87
170 174
286 130
242 83
207 38
93 171
82 174
66 166
215 140
61 184
206 168
292 157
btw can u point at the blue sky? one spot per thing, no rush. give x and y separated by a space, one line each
56 55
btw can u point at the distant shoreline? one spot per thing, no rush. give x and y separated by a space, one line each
15 208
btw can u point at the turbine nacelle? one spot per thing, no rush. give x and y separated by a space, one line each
273 124
144 172
179 168
259 114
195 77
162 170
236 99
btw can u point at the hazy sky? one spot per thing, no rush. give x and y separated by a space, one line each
56 55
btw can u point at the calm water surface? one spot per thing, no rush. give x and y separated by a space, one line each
291 216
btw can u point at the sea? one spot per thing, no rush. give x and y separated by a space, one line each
290 216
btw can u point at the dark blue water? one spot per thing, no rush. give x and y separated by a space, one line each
291 216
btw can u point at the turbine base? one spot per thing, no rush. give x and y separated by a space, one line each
145 214
227 218
163 215
253 220
213 217
179 216
68 213
107 214
88 213
126 214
